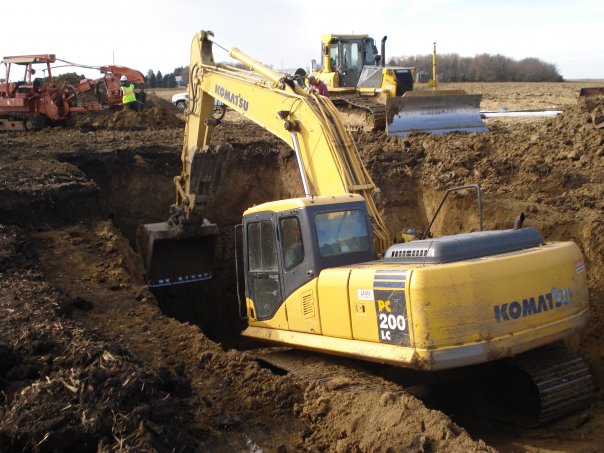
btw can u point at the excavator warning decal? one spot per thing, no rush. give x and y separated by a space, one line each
390 306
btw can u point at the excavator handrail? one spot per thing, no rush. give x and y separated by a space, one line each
329 157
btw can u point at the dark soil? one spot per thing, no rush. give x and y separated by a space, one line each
89 359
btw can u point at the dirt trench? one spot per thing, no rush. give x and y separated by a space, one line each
68 267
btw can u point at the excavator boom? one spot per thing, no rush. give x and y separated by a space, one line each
328 160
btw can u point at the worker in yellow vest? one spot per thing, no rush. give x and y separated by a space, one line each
128 95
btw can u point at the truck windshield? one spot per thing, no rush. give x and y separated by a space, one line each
341 232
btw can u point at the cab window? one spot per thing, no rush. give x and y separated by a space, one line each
333 58
341 232
263 275
291 242
370 52
352 62
262 247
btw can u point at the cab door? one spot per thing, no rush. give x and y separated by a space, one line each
263 278
350 61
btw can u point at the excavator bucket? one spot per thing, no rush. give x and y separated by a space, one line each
434 112
175 255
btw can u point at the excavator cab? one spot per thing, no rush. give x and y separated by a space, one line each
288 243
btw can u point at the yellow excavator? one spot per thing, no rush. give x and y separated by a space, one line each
372 96
323 273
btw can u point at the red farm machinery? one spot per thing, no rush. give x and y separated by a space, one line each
32 102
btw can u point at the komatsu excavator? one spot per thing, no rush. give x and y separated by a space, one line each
314 278
373 96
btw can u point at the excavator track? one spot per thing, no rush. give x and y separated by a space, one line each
346 374
306 365
562 380
555 381
361 114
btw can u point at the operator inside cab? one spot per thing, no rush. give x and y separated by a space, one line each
128 95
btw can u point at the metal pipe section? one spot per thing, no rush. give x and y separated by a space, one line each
521 113
300 165
384 50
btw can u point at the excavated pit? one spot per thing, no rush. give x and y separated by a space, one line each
136 187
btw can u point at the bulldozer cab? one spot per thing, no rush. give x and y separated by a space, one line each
347 55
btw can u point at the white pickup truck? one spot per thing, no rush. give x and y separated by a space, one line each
181 100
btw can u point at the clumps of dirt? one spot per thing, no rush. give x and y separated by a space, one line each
36 176
374 418
63 387
157 113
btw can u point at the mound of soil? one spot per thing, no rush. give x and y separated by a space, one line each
157 113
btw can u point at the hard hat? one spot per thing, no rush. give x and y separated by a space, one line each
123 78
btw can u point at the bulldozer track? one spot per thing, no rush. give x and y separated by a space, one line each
374 117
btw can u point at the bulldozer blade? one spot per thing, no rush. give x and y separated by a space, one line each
174 255
591 92
435 112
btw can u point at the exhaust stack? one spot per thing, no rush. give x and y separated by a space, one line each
384 50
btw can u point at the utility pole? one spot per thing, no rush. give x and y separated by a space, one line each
433 82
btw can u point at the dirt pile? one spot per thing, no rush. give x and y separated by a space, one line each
157 113
557 162
65 388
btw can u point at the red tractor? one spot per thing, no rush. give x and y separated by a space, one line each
31 102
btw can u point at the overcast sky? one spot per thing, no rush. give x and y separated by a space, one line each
157 34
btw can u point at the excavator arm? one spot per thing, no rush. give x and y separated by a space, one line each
328 160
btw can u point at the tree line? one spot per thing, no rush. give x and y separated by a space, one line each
152 79
480 68
159 80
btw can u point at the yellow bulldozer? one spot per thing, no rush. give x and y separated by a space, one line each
322 271
373 96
